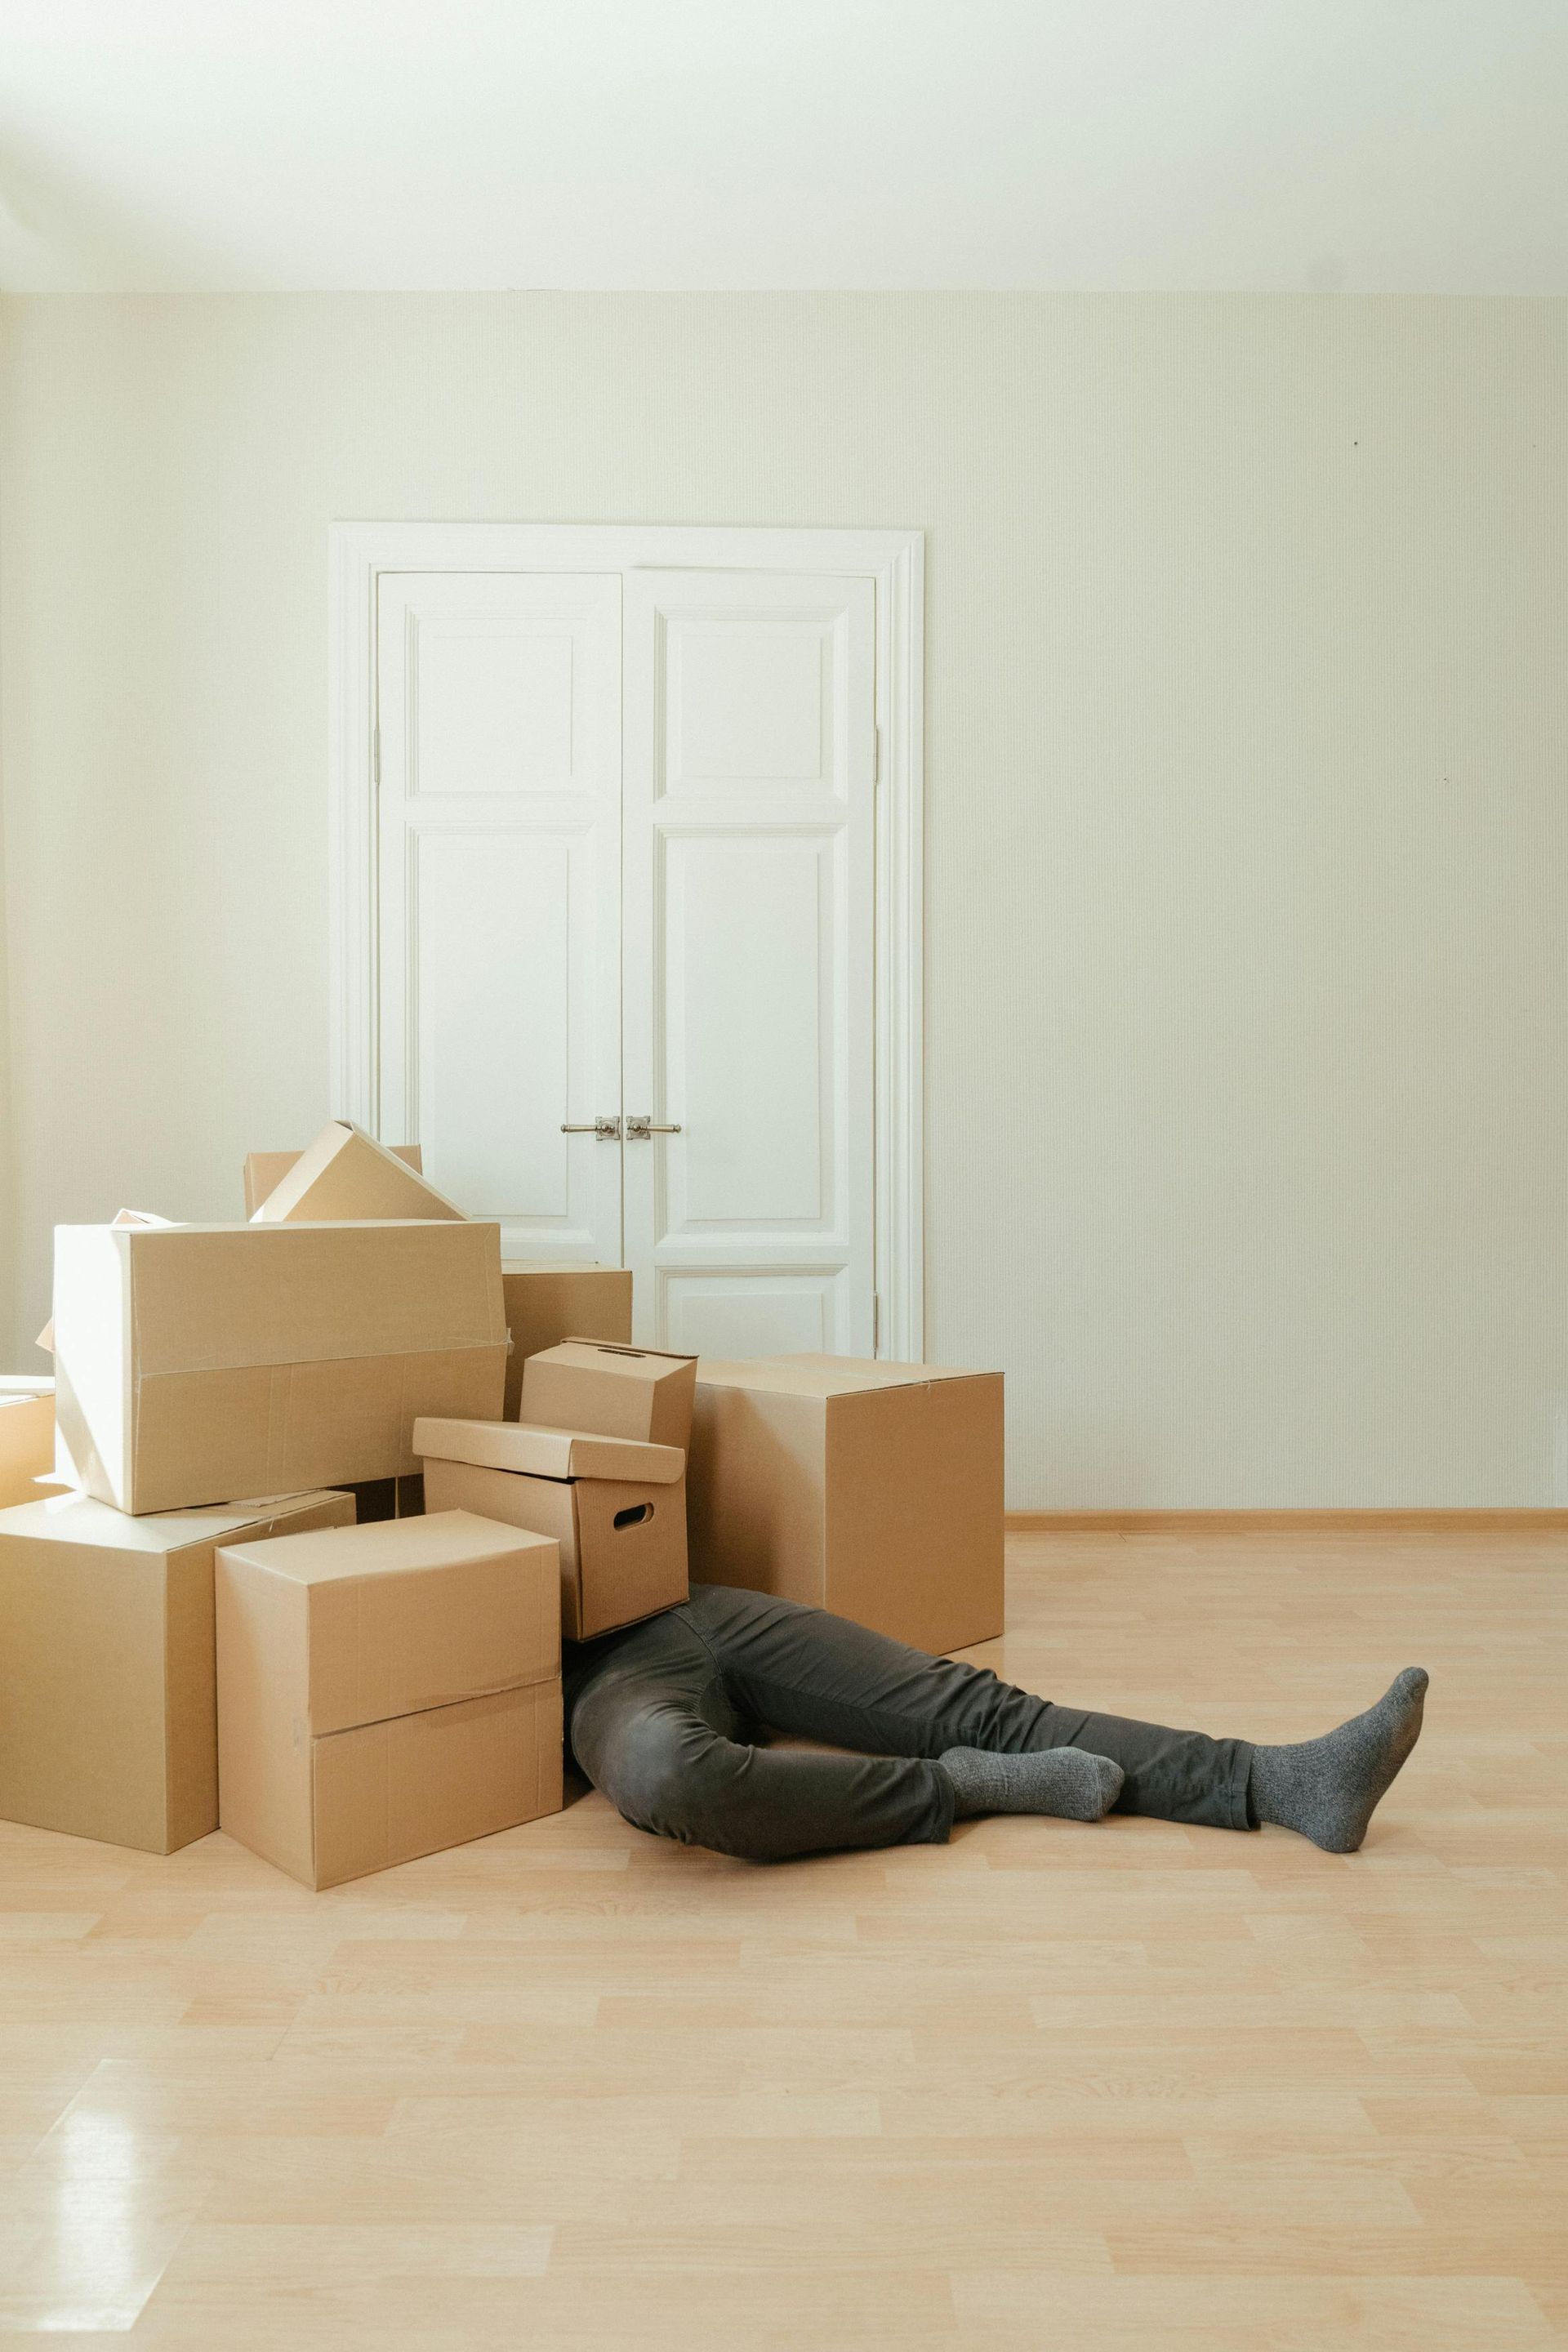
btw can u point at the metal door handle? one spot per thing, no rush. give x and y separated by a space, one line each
641 1130
608 1130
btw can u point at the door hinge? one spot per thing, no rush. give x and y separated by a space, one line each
376 755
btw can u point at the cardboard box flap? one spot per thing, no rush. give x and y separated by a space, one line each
265 1171
825 1376
541 1453
78 1518
346 1175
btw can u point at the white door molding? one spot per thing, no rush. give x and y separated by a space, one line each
894 560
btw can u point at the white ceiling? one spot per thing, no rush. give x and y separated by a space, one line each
1387 145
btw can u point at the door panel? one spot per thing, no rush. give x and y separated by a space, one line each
748 1004
498 895
744 957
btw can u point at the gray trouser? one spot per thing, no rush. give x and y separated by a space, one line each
662 1719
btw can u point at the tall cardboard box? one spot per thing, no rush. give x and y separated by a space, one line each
871 1489
265 1171
616 1508
546 1304
345 1175
386 1691
26 1436
107 1725
619 1391
198 1362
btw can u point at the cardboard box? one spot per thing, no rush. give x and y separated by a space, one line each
385 1691
546 1304
26 1436
871 1489
265 1171
108 1723
616 1390
346 1176
46 1338
198 1362
616 1508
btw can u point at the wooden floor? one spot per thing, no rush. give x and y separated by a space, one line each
1125 2086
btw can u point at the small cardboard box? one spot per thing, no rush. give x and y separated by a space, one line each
616 1507
346 1176
26 1436
198 1362
545 1304
616 1390
107 1725
385 1691
265 1171
871 1489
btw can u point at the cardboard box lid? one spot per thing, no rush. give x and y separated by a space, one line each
289 1292
345 1175
825 1376
408 1614
540 1452
78 1518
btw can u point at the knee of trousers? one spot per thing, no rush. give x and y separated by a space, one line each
668 1771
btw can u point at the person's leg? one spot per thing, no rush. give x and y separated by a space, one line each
653 1728
804 1670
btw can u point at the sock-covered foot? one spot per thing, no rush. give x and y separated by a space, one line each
1067 1781
1329 1788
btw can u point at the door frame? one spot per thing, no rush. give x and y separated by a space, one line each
895 559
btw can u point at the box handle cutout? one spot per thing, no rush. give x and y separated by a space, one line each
634 1515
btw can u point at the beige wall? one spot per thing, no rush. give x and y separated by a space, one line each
1248 817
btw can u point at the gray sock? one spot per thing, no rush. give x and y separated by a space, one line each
1328 1789
1067 1781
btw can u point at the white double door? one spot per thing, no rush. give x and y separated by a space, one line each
625 914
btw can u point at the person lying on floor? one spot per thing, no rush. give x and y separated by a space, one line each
661 1718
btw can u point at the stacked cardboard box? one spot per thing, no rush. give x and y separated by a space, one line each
344 1696
598 1462
384 1691
196 1364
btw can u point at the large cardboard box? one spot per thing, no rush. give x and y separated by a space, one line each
385 1691
346 1175
265 1171
198 1362
26 1436
619 1391
546 1304
616 1509
871 1489
107 1723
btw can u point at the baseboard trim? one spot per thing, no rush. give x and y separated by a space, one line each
1373 1522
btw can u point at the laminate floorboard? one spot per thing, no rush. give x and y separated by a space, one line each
1125 2086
